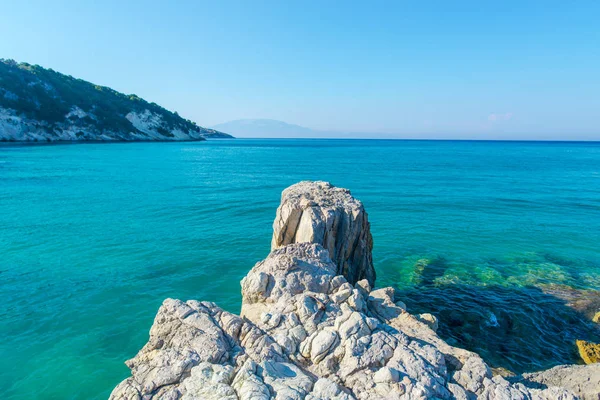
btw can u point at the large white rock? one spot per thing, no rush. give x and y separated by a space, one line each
317 212
306 343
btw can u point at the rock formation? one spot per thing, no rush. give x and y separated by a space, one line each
584 380
317 212
589 352
307 332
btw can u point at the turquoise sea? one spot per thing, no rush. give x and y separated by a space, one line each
94 236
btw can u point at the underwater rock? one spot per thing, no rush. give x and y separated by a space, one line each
499 322
506 373
418 269
585 301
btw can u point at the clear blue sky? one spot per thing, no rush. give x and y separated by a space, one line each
476 69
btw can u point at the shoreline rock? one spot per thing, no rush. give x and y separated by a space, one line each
318 212
310 330
589 352
584 380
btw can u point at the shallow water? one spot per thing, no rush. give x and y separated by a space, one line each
93 237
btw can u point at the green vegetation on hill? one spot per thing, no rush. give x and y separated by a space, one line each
48 96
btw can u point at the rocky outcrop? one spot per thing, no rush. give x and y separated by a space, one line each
307 332
589 352
583 380
317 212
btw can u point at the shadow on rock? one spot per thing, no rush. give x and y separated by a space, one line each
519 328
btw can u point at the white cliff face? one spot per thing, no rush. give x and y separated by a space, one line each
18 128
306 332
77 112
80 127
150 124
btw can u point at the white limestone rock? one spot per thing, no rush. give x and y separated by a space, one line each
430 320
209 381
197 350
583 380
286 272
318 212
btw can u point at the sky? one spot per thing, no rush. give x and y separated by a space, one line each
412 69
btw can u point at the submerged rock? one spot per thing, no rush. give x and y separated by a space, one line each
503 372
306 332
584 301
419 268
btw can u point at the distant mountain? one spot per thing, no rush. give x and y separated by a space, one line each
265 128
270 128
38 104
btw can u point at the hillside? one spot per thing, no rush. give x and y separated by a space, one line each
39 104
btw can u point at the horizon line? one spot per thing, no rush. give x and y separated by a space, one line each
415 139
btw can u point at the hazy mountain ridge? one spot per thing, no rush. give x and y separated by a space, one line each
265 128
270 128
39 104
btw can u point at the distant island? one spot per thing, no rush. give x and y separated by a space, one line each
271 128
42 105
267 128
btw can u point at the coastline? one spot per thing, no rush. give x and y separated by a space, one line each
295 139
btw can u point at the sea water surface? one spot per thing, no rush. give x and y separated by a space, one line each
93 237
